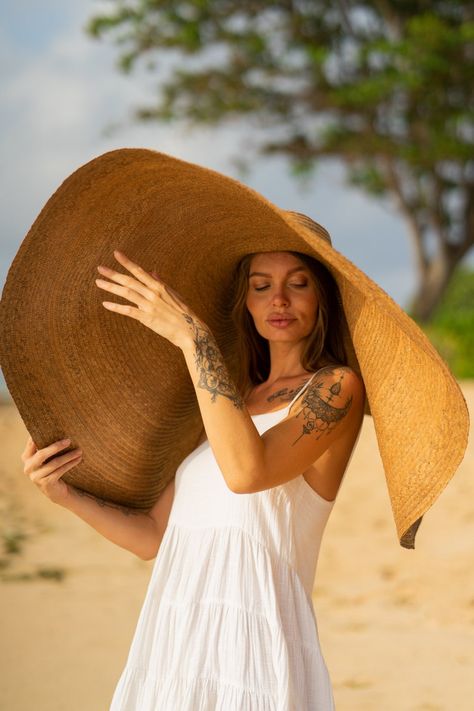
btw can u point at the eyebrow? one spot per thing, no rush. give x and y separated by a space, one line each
290 271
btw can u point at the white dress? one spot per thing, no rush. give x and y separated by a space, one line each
228 623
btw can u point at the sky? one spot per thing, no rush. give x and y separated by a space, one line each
61 95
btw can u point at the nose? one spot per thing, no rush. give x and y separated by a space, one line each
279 296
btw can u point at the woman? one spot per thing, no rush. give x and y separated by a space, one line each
227 622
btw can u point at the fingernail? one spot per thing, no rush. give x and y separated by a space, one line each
66 441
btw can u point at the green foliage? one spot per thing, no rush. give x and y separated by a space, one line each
12 569
51 573
367 83
43 573
385 87
451 330
366 60
369 178
13 540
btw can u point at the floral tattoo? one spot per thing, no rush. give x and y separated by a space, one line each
213 373
320 415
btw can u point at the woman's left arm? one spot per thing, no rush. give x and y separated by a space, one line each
333 406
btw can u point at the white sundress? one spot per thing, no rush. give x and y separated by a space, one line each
228 623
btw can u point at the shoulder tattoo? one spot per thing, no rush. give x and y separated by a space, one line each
322 407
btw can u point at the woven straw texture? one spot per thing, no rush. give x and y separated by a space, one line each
124 395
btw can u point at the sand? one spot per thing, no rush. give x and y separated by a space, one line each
396 626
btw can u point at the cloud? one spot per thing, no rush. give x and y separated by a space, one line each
61 90
58 104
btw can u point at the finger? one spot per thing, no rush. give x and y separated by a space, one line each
172 293
135 269
43 454
45 480
137 314
29 450
132 291
58 473
30 446
160 282
176 299
46 470
143 277
157 278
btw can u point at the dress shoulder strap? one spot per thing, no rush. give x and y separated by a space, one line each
305 386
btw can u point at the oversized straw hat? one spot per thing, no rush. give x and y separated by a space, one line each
123 394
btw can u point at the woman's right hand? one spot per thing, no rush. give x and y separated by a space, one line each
47 477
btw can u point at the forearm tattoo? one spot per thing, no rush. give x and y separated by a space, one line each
212 371
102 502
320 416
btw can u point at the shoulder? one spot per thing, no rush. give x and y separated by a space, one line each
340 372
343 374
335 391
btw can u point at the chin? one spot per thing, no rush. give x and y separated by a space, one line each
283 333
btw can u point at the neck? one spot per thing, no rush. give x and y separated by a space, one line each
285 360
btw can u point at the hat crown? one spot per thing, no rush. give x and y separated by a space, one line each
310 224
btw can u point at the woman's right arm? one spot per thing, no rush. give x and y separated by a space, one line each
139 532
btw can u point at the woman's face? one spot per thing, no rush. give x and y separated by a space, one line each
280 285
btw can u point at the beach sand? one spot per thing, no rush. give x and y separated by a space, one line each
396 626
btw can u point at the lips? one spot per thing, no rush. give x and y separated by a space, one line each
280 317
281 323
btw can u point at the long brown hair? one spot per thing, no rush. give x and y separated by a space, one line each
325 343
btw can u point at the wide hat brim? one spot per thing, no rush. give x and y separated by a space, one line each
123 394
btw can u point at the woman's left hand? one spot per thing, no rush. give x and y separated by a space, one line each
159 307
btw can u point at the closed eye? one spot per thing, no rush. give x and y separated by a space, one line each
298 286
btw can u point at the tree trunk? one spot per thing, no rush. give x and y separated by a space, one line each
434 273
433 282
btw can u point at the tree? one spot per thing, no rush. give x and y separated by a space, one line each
451 330
383 86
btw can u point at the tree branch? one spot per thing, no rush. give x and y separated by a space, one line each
415 229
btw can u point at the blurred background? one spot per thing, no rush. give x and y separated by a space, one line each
359 114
